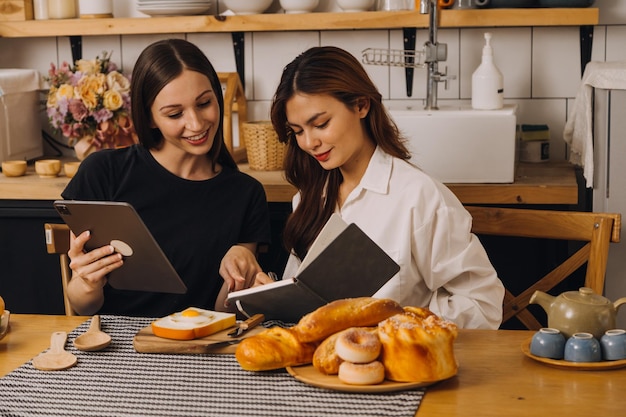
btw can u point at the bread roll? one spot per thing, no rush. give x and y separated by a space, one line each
273 348
325 359
417 346
342 314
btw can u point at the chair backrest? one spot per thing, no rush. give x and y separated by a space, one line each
234 102
595 230
58 242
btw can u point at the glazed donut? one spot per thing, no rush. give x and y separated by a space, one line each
357 345
362 373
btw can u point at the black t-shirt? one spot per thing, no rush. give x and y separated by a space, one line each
194 222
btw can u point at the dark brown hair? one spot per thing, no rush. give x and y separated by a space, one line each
325 71
157 65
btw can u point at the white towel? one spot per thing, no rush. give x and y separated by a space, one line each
578 128
17 80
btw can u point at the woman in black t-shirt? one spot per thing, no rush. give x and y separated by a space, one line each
207 216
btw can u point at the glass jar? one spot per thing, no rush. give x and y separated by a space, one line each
61 9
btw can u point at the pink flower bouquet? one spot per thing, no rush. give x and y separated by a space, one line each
90 103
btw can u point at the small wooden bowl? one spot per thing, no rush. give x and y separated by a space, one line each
48 168
14 168
70 168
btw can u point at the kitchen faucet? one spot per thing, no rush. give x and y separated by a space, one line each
409 58
433 53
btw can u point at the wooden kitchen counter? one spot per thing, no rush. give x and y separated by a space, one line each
535 183
543 183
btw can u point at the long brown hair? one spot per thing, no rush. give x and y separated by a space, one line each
156 66
329 71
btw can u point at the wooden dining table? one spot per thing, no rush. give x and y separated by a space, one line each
495 378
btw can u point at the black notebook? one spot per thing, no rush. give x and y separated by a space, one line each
343 262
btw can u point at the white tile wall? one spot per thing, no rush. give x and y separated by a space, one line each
555 62
355 42
541 65
615 36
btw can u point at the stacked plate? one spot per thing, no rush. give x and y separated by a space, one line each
173 7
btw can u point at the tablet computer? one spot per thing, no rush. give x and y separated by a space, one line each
146 268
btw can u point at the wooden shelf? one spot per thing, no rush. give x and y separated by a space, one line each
299 22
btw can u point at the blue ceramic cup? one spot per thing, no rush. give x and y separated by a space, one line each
548 343
613 344
582 347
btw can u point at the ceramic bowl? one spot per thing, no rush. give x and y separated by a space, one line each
394 5
70 168
613 345
14 168
506 3
355 5
582 347
243 7
548 343
299 6
48 168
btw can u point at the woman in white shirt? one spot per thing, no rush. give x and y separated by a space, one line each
345 155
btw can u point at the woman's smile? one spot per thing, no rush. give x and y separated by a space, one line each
197 140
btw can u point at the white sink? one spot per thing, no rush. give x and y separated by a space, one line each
459 144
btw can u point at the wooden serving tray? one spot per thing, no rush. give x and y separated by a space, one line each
309 375
577 366
146 342
4 323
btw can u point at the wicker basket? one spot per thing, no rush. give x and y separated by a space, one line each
265 152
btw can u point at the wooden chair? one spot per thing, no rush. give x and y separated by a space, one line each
595 230
234 102
58 242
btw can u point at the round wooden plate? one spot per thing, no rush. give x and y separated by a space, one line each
309 375
577 366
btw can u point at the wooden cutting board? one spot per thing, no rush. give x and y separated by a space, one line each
146 342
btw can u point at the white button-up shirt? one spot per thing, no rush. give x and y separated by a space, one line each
422 225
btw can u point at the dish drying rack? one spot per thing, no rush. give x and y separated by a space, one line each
432 53
393 57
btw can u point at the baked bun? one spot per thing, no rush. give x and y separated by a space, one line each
342 314
417 346
325 358
192 323
273 348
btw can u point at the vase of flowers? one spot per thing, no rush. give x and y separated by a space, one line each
89 103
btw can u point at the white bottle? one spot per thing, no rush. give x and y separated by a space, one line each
487 82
